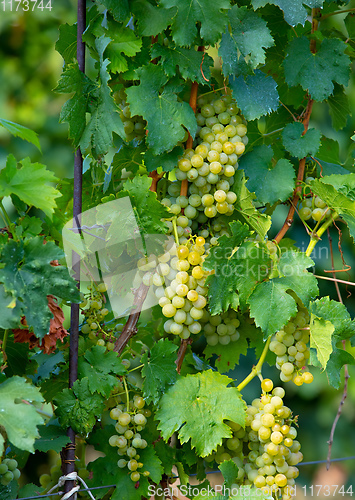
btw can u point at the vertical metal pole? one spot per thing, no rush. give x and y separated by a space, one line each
69 451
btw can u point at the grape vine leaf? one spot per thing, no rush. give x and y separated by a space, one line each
294 11
196 406
18 412
300 145
193 65
74 110
321 331
339 107
278 180
20 131
10 310
244 205
337 201
167 118
159 370
227 355
105 118
78 408
210 15
237 267
101 369
272 295
337 314
31 183
256 95
229 471
337 360
124 42
317 72
52 437
343 183
166 161
119 10
148 210
247 37
66 43
151 20
29 277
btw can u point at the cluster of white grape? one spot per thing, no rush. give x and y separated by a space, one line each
134 126
9 471
291 348
93 310
211 165
266 451
222 328
313 207
128 438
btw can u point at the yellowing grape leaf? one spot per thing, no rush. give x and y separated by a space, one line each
321 331
31 183
18 415
196 407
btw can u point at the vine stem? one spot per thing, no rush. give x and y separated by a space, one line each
256 370
317 236
127 393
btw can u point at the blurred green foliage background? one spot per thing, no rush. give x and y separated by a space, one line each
29 70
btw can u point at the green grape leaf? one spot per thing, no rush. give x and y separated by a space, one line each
337 314
256 94
166 161
337 360
18 412
337 201
227 355
193 65
128 157
101 369
294 11
152 463
151 20
339 107
20 131
278 180
248 37
10 310
317 72
166 116
238 266
321 331
31 183
244 205
148 210
74 110
300 145
66 43
159 370
119 10
196 406
229 471
78 408
105 118
124 42
272 295
29 277
52 437
208 14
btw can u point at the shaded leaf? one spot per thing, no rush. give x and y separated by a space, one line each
294 11
52 437
159 370
166 161
151 20
339 107
66 43
300 145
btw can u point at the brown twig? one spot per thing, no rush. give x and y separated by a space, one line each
156 178
333 279
346 371
130 329
181 353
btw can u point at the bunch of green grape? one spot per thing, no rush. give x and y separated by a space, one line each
313 207
9 471
128 440
222 328
94 311
211 165
134 126
291 346
266 451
